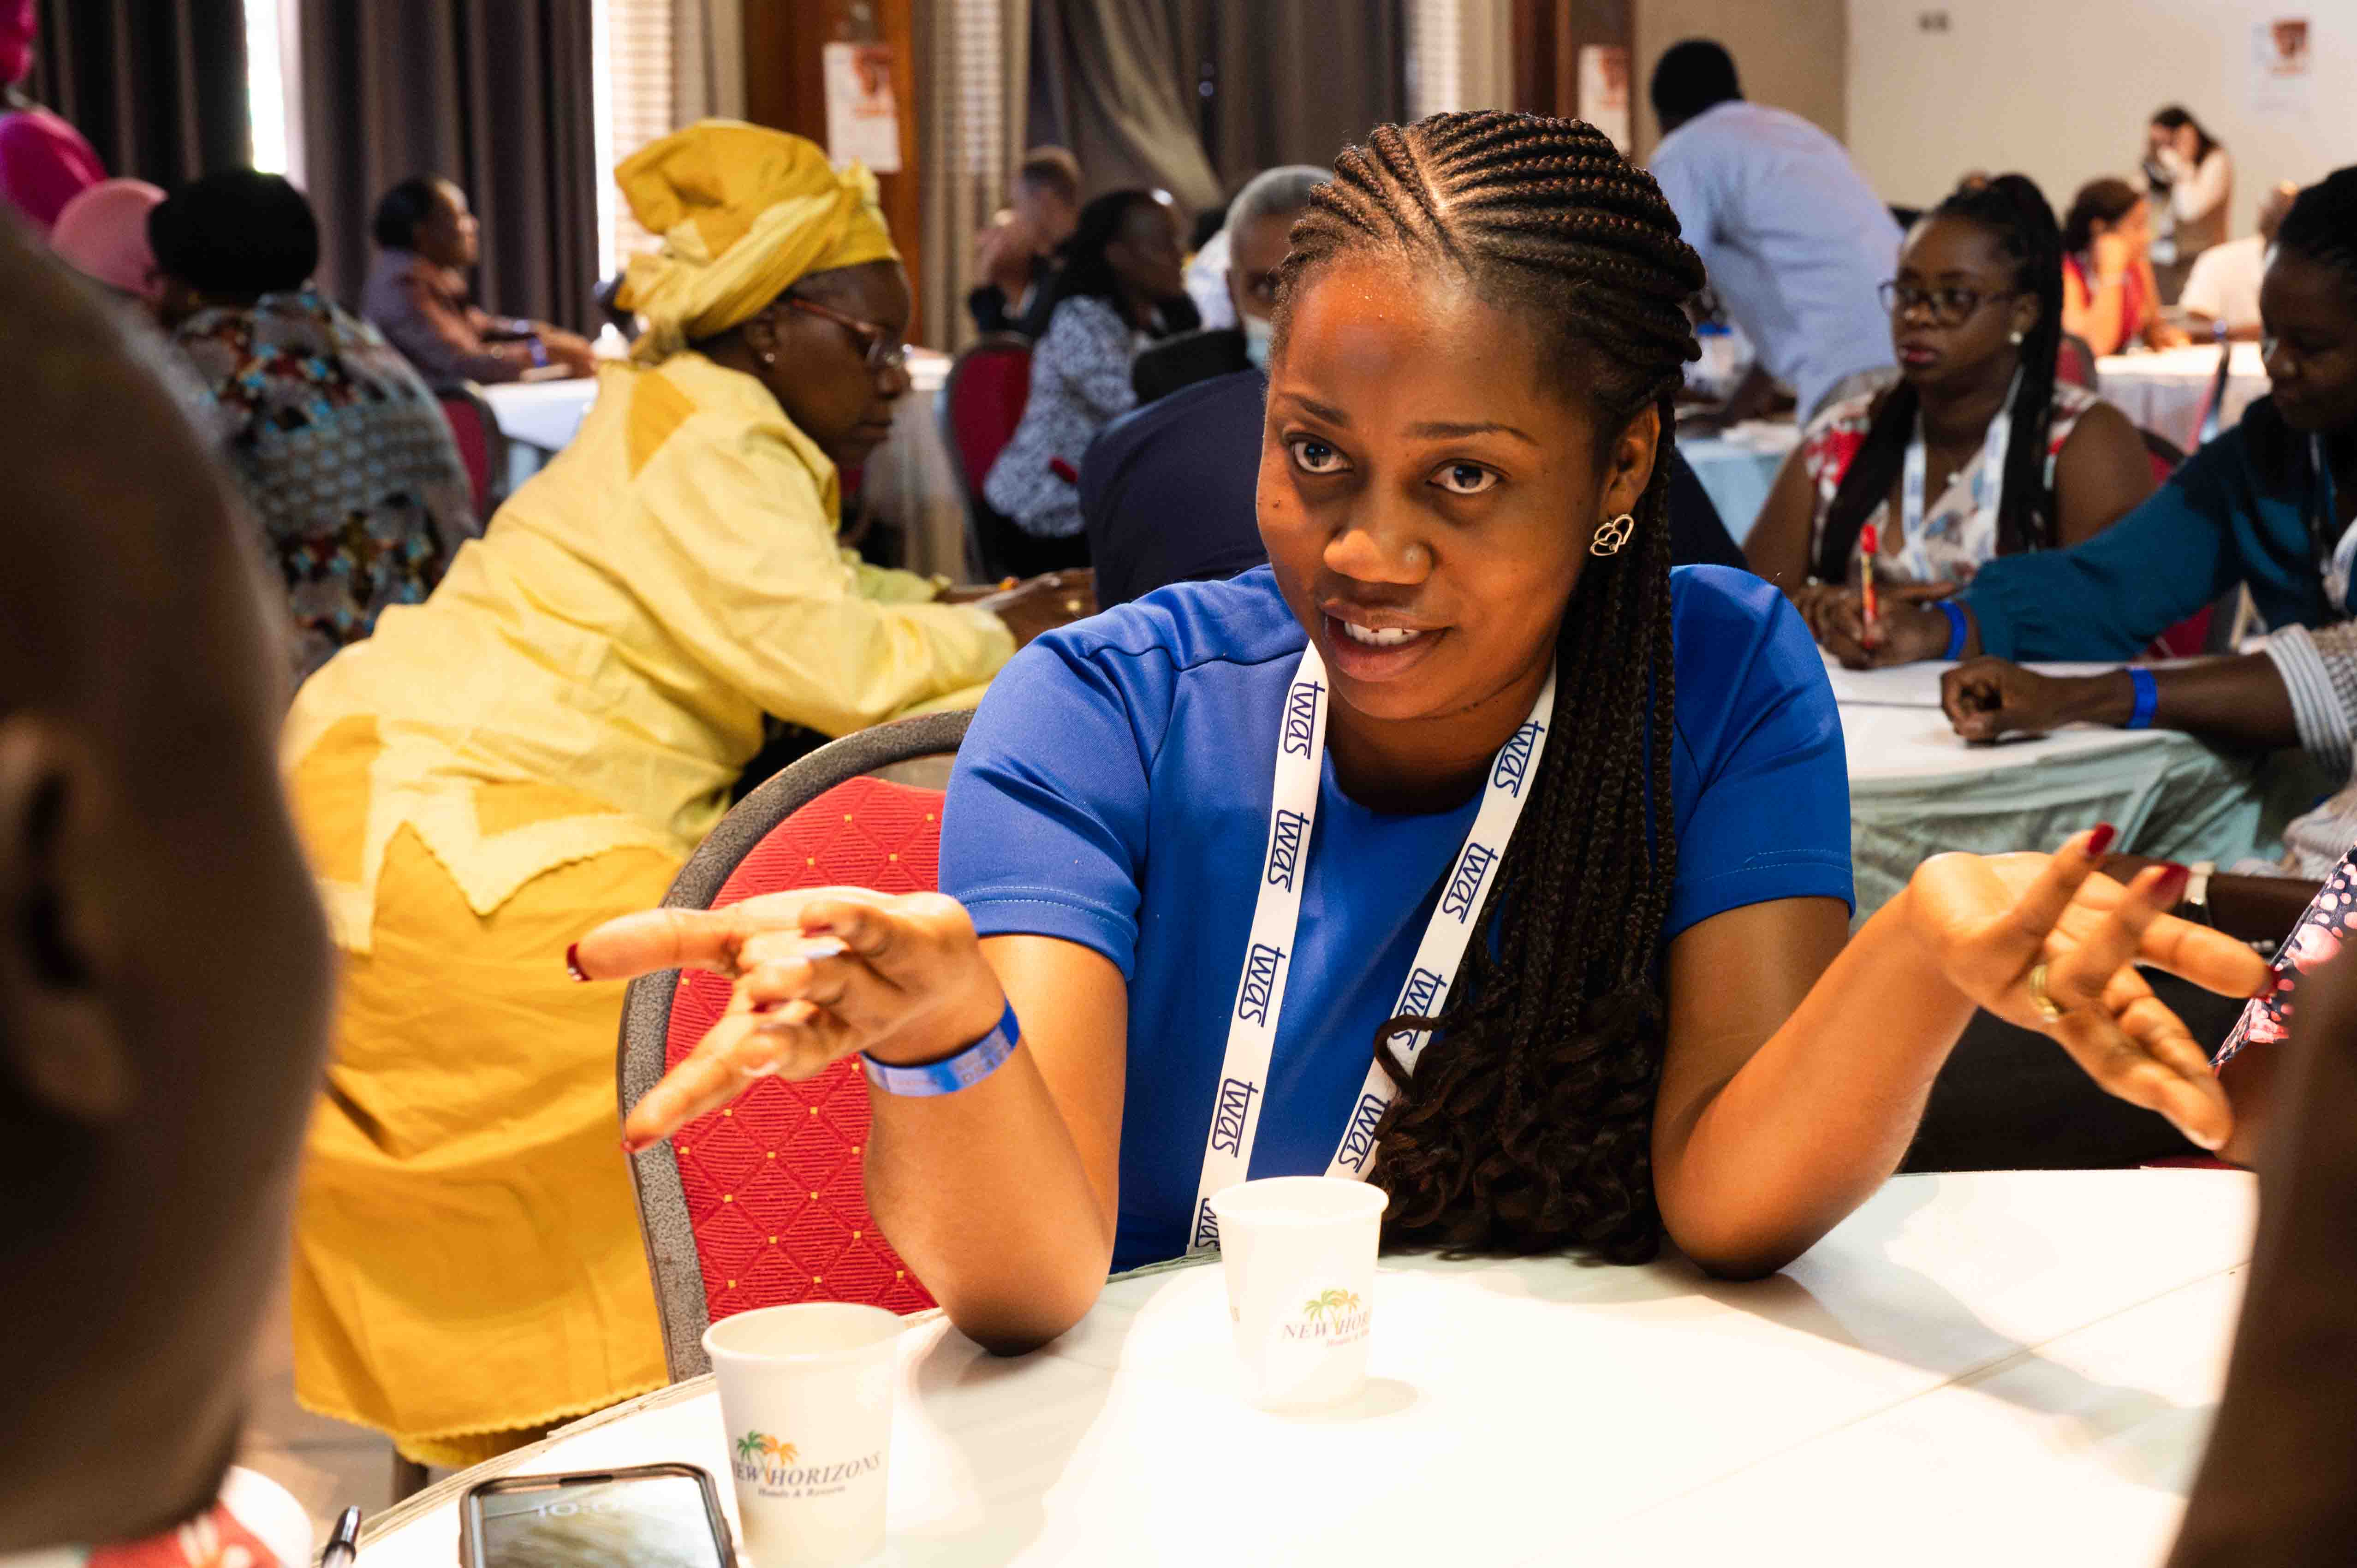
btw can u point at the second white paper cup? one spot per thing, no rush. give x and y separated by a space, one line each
806 1393
1299 1253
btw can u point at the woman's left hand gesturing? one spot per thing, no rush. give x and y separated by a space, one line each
2049 943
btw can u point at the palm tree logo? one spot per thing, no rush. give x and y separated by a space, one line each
1334 1302
784 1454
756 1446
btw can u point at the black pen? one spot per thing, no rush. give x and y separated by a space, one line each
343 1541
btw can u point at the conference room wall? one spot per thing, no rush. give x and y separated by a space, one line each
1790 54
2062 92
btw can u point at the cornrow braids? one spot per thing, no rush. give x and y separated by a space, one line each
2014 211
2323 223
1528 1124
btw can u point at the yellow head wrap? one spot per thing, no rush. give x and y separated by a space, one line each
743 212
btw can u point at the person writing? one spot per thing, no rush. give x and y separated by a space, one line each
541 743
2190 180
1977 451
417 295
1119 289
2109 297
2266 506
1467 847
166 967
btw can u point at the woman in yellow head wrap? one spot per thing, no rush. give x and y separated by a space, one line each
541 744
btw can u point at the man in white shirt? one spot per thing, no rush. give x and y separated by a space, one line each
1795 239
2223 285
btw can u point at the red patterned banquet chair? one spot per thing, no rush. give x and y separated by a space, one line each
482 446
763 1203
982 402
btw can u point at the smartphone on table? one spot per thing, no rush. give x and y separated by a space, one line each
650 1516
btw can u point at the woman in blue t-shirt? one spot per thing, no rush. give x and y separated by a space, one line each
1467 751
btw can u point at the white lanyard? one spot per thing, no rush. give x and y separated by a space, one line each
1277 917
2345 554
1912 553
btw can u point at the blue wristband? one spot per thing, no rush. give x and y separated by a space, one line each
949 1075
2148 699
1957 628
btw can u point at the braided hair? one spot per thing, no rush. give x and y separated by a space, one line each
2323 223
2014 211
1528 1124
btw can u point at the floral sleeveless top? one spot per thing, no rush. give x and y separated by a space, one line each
1959 526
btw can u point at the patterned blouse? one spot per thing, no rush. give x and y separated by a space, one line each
2322 930
1080 382
1959 529
344 455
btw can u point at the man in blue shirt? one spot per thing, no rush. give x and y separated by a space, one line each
1795 240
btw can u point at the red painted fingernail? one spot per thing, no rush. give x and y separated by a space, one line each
636 1145
2100 838
2173 878
573 962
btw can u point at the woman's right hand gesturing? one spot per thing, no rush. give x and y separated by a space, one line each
819 973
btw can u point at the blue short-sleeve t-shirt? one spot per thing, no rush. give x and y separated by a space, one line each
1114 791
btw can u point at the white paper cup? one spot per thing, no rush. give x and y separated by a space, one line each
1299 1253
806 1393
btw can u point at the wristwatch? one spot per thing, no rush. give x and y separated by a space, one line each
2196 902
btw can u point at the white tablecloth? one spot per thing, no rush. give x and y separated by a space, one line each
1916 789
2010 1369
1737 469
2162 392
909 484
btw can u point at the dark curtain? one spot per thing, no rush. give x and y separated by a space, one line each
157 86
1198 95
1112 80
1253 77
493 94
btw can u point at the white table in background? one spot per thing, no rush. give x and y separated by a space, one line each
1738 469
2162 392
2003 1368
1916 789
909 484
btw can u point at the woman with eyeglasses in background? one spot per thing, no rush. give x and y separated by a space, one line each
541 744
1977 452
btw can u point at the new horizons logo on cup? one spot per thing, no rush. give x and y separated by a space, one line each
776 1469
806 1396
1299 1255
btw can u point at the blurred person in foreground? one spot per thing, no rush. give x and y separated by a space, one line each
2266 506
1259 220
1016 253
1794 240
417 294
345 455
1118 291
2109 297
163 974
2221 292
542 744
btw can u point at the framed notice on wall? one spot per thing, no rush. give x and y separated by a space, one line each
1603 91
863 122
2280 75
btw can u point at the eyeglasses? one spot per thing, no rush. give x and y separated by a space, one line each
1950 306
880 345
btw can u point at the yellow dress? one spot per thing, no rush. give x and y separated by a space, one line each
537 748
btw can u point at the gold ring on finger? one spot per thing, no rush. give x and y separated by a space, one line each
2037 997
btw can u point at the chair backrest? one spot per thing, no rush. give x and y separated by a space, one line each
482 447
982 402
763 1203
2074 362
2207 425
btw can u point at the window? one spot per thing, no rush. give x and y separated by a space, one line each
273 117
630 44
1436 63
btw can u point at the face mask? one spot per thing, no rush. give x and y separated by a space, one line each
1257 333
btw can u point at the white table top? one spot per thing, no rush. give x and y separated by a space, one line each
544 414
1893 726
2026 1359
2196 362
